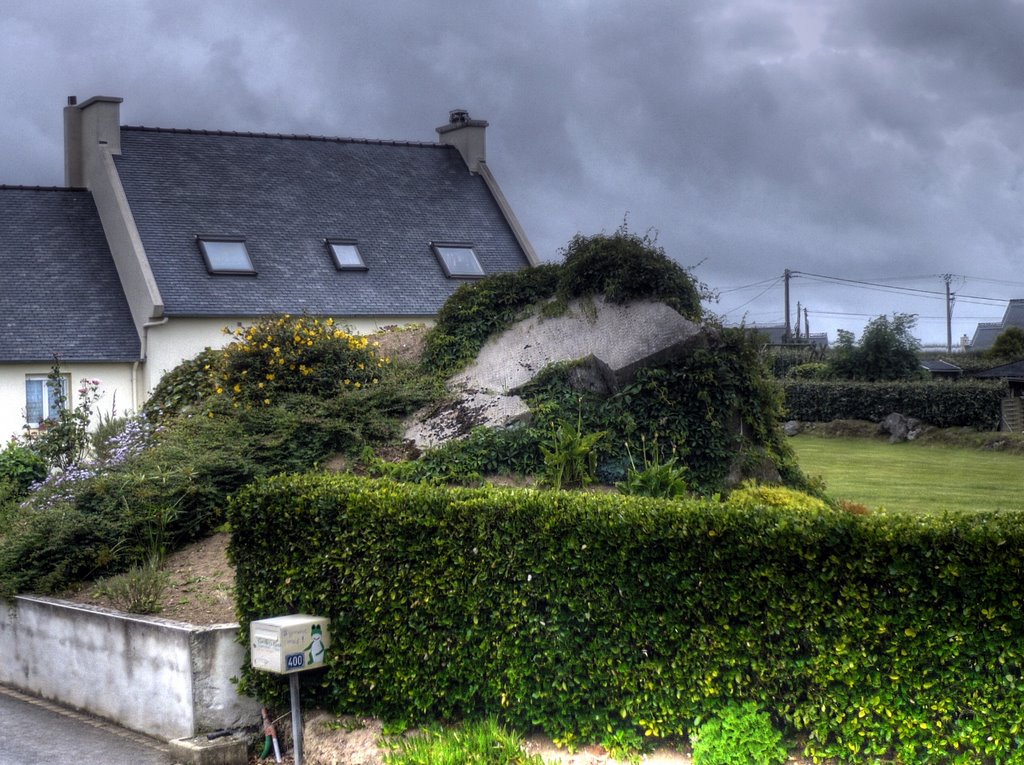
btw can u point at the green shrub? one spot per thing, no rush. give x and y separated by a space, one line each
21 466
483 308
183 387
623 267
781 360
738 735
137 591
44 550
944 404
813 370
485 451
752 495
293 354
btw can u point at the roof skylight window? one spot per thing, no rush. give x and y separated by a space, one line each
346 255
225 256
459 261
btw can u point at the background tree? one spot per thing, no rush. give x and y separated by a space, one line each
1009 344
887 350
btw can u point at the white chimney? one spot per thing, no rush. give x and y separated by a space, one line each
96 122
467 135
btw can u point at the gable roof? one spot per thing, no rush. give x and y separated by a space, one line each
986 332
286 195
60 292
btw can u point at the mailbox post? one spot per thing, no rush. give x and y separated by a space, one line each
288 645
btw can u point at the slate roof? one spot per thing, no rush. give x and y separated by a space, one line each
60 292
287 194
1013 370
986 332
940 367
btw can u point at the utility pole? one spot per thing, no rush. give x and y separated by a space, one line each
786 334
798 321
949 313
807 326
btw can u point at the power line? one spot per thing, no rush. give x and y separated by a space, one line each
890 288
774 280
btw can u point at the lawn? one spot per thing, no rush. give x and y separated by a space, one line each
913 477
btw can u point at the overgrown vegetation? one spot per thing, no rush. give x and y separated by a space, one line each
619 267
878 637
164 479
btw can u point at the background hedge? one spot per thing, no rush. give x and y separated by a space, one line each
967 403
582 614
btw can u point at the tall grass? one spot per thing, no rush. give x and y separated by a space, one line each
481 743
913 477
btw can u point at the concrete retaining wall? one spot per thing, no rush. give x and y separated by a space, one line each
164 678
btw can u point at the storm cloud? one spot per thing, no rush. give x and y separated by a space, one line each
870 140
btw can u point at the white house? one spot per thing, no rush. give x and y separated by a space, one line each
163 237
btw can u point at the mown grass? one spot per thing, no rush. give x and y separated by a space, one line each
913 477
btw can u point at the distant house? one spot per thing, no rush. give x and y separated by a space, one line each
1013 373
986 332
941 370
1012 410
163 237
775 335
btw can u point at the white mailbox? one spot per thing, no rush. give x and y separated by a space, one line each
287 644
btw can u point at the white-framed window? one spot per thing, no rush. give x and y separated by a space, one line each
346 255
224 255
42 399
459 261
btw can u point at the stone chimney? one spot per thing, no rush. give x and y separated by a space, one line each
467 135
87 126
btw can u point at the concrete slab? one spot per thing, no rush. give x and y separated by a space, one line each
229 750
621 338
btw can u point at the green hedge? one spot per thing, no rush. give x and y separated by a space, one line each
582 614
942 404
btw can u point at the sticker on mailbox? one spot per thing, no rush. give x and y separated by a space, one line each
295 660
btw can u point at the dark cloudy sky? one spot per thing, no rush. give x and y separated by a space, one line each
876 141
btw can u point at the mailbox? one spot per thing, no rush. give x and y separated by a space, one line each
287 644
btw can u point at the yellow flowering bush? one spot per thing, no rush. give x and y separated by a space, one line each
294 354
751 494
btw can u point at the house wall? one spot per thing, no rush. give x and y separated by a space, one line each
115 389
167 345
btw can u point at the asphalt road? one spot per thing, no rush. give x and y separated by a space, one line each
36 732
